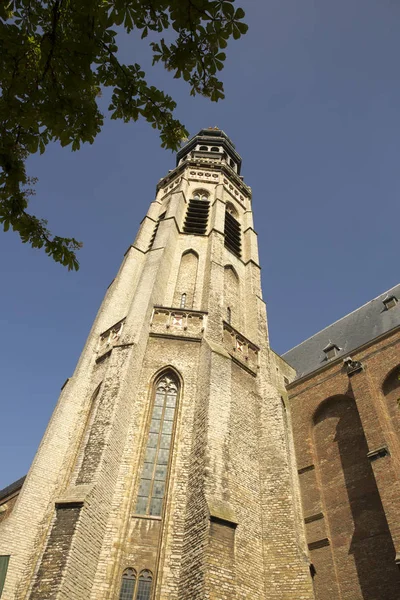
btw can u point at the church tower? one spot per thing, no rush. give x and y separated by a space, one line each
166 471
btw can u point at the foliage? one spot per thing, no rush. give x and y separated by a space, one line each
57 56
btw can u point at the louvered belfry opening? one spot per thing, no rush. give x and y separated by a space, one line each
232 234
197 216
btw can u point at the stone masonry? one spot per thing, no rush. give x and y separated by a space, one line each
185 310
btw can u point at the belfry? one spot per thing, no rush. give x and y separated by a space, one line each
167 471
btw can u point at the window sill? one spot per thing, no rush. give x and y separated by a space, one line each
147 517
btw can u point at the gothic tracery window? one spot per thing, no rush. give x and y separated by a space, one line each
128 585
144 587
155 468
133 588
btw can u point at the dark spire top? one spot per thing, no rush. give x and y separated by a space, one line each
207 143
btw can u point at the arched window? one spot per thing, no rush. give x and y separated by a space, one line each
128 585
200 195
183 301
133 588
156 462
144 587
197 214
203 148
232 210
214 149
232 231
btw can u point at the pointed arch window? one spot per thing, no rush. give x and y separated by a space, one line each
133 588
144 587
183 301
158 449
128 584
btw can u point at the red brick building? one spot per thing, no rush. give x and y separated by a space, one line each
345 412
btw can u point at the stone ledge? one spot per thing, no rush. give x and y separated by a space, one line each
319 544
222 513
75 496
171 336
313 518
378 453
306 469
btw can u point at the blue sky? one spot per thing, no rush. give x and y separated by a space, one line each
313 107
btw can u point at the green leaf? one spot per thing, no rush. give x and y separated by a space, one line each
56 59
239 14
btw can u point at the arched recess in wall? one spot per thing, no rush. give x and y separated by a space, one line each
93 440
231 296
186 282
154 476
391 391
355 519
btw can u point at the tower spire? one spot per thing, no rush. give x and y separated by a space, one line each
164 471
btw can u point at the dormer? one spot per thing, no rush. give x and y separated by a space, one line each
331 350
389 301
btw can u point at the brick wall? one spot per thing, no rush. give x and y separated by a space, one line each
346 438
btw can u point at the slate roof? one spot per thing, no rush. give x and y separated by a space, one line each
13 487
355 329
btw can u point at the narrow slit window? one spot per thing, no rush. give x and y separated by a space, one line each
152 485
228 315
183 301
156 226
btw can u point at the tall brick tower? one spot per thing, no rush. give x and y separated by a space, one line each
166 470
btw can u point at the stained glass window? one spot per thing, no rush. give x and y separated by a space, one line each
155 468
128 585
